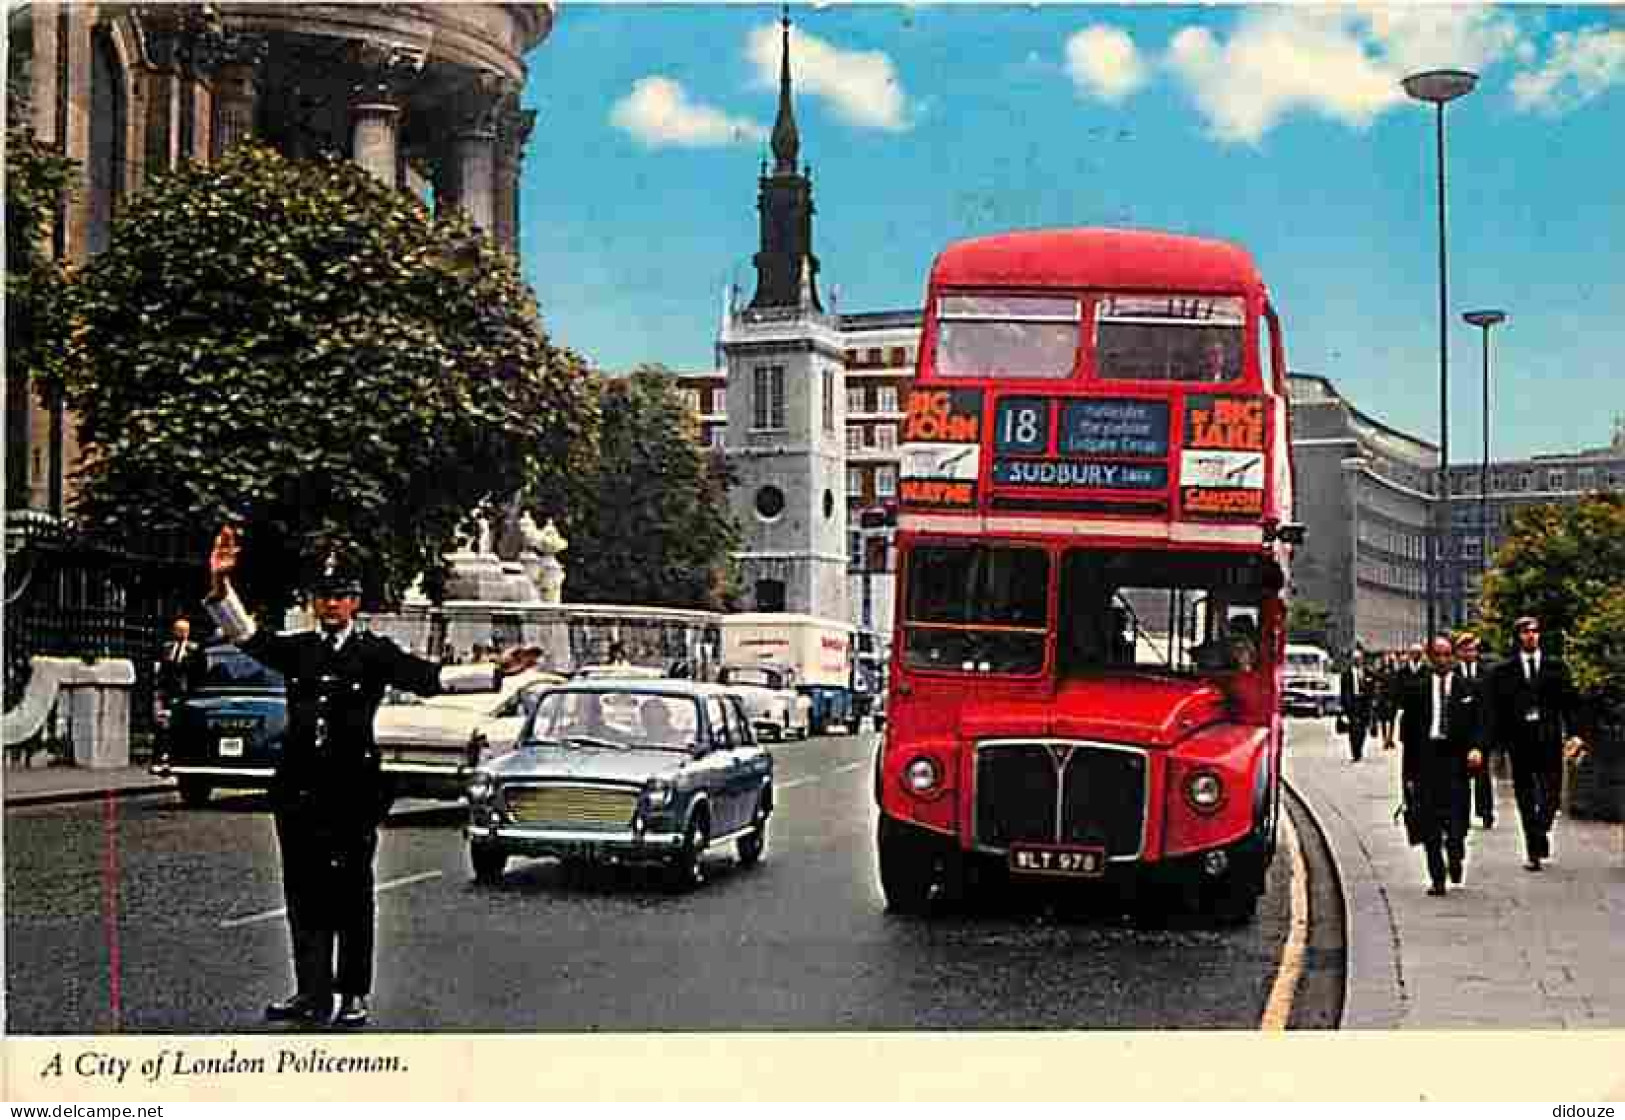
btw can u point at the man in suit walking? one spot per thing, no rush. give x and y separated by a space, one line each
328 791
1533 707
1433 762
1356 688
1472 677
180 665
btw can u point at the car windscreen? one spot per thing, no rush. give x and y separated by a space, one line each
601 718
230 667
976 609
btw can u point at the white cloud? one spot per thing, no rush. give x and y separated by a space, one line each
1103 62
659 114
861 86
1343 63
1582 65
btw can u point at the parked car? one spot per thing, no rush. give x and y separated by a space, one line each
431 746
656 772
1310 696
227 734
771 699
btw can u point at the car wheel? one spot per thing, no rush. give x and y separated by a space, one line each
905 870
753 843
489 863
687 871
194 792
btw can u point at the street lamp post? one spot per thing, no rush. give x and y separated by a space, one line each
1484 320
1439 88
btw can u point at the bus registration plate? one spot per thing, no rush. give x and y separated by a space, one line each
1081 863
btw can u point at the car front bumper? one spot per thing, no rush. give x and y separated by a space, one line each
629 845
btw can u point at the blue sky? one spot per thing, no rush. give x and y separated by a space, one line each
1281 128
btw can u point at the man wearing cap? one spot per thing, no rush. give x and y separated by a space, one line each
1533 706
329 793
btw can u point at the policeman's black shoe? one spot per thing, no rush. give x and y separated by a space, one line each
300 1008
1437 889
352 1013
1455 871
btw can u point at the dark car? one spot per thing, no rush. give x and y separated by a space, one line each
653 772
1310 696
228 732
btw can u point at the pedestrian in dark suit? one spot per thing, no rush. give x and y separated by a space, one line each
1533 708
1472 680
180 665
1356 688
328 793
1434 764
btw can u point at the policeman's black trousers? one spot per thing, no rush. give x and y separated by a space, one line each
327 881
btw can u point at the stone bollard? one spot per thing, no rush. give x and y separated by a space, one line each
96 698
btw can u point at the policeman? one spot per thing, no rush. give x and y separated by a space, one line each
328 794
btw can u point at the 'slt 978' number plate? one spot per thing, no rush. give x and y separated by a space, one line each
1081 863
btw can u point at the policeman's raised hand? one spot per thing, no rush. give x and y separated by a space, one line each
223 558
518 659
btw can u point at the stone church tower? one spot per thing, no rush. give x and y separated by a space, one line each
786 438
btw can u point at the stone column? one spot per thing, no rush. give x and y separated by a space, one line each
473 154
231 60
375 106
514 126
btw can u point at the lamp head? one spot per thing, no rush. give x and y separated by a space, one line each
1485 318
1439 86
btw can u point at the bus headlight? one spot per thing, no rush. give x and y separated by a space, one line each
1205 791
923 776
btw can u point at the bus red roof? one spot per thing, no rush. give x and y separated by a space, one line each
1114 259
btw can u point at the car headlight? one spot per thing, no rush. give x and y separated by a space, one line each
1204 790
657 794
481 786
923 776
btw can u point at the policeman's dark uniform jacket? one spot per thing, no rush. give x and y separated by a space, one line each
1433 762
1533 707
328 793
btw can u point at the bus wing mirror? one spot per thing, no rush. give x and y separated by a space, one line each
1291 532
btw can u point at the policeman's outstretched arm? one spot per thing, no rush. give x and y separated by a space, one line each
235 623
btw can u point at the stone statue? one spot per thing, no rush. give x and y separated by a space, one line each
540 556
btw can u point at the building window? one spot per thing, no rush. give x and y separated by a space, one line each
770 595
871 356
855 404
899 356
888 399
851 357
107 131
37 467
854 548
691 400
1526 481
768 405
827 382
1555 480
716 435
719 401
854 482
769 503
886 482
1588 479
886 436
854 439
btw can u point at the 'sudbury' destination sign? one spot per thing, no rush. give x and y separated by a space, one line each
1080 473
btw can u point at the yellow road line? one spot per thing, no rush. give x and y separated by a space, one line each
1278 1008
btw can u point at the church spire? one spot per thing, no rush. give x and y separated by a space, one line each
786 143
786 269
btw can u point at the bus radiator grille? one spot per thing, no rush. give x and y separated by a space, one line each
1060 793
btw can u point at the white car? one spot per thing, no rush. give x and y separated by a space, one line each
618 670
770 697
431 746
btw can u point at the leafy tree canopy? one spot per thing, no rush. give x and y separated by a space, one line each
651 524
1308 621
1560 563
37 293
297 347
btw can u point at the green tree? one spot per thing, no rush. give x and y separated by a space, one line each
1597 650
651 524
1558 563
38 295
1309 622
297 347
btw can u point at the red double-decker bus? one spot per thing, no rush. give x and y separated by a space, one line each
1093 543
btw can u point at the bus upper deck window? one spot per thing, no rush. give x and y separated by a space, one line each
1170 338
1007 336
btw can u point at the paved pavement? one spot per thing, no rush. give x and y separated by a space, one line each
1508 949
